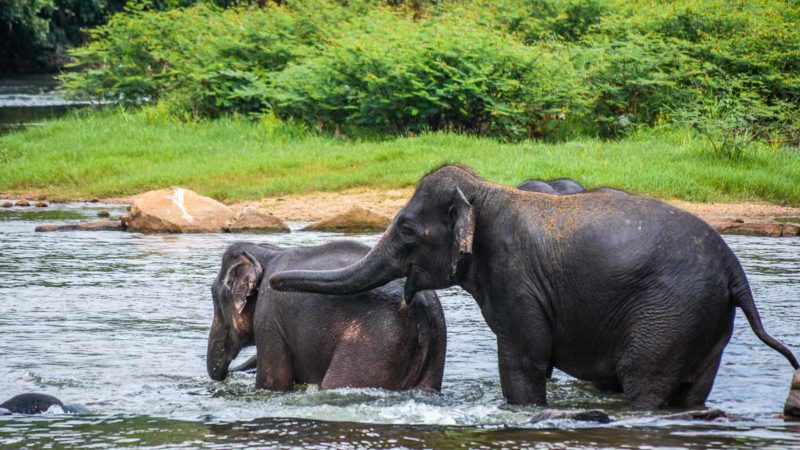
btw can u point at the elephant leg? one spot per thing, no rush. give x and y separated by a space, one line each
274 369
250 364
523 374
348 369
433 370
696 393
648 391
650 374
359 364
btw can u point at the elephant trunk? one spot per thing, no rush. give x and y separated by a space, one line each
221 350
376 268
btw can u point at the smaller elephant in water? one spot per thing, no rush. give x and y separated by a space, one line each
33 403
361 340
561 186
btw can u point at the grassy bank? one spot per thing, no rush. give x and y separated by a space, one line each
117 153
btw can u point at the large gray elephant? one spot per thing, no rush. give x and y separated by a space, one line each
624 291
359 340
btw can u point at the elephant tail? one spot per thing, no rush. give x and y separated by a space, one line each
742 296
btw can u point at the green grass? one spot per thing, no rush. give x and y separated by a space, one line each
103 154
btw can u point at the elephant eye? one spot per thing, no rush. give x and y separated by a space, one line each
408 232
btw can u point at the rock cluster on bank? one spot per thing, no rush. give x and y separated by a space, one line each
253 220
354 220
177 210
769 229
180 210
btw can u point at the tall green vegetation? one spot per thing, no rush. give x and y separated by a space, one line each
122 152
553 69
36 34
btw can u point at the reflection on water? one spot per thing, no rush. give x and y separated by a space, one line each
117 322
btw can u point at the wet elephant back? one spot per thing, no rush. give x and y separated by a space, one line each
626 261
360 330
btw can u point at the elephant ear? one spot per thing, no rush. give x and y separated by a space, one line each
243 279
463 228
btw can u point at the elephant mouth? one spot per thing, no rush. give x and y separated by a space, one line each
410 288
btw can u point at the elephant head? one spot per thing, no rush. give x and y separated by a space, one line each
234 293
428 242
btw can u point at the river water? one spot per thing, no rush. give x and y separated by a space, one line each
117 322
28 100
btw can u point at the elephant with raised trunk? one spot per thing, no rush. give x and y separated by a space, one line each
623 291
356 340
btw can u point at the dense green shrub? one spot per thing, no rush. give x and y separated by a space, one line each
389 73
37 33
531 68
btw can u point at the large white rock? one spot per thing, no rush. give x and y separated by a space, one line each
177 210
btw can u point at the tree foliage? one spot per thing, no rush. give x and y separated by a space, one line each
511 68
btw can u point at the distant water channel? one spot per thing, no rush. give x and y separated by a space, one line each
118 322
29 100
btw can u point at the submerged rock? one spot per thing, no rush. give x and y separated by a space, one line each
355 219
103 213
99 225
791 409
177 210
22 202
705 414
255 221
42 204
590 415
7 204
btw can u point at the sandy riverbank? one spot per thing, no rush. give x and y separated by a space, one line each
320 205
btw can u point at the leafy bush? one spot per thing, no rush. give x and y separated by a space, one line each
389 73
532 68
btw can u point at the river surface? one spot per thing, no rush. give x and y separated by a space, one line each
117 322
28 100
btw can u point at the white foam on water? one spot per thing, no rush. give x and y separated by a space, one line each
55 409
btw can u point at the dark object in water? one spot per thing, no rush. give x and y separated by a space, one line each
705 414
34 403
590 415
98 225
